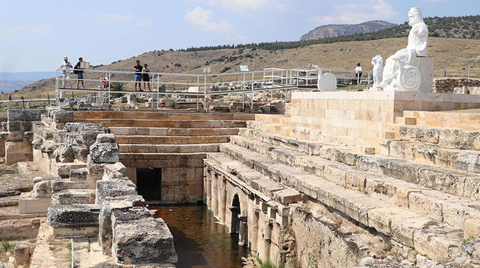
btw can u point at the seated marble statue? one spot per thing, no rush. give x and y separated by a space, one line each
416 47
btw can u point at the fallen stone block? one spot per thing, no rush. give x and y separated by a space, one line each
142 241
74 220
114 188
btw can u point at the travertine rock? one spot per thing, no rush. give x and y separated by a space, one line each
114 188
48 147
22 254
142 241
105 150
73 215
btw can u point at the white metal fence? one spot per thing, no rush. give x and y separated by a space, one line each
196 86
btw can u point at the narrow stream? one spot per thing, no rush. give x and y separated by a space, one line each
200 242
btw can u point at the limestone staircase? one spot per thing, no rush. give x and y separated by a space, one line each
423 195
172 136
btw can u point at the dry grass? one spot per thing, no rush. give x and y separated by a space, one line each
456 53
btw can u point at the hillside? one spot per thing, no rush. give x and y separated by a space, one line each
456 53
335 30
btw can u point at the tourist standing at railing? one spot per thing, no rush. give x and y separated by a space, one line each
79 71
358 74
146 77
66 69
138 75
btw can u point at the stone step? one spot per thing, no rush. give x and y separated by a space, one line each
446 137
405 120
451 119
444 207
434 239
78 115
138 139
162 156
464 160
154 131
302 133
168 148
255 179
73 196
169 123
456 182
163 160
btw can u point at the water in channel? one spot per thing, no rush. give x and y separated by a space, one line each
200 242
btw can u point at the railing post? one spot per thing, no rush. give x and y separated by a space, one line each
205 94
251 104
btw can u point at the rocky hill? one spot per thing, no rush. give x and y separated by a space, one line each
456 53
335 30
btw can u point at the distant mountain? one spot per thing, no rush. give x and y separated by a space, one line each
15 81
335 30
26 76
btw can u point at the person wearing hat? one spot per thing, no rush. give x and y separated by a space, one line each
66 69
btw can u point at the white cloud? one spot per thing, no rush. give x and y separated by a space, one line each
359 11
200 18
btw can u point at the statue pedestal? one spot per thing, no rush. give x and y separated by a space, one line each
426 73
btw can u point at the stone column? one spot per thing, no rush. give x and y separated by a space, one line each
207 182
253 216
214 205
243 231
222 202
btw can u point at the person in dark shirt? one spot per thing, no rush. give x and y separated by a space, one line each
138 75
78 70
146 77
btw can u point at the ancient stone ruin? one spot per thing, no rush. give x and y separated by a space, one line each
352 179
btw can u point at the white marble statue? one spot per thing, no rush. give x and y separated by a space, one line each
377 62
401 69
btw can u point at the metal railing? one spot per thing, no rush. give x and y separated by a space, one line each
192 86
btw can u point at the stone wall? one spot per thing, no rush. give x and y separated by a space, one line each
18 135
89 195
448 85
363 118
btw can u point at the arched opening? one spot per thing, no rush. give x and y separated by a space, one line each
239 222
235 209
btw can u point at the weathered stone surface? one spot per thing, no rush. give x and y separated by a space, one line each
114 171
104 153
59 115
114 188
24 115
42 188
22 254
48 147
469 253
106 138
105 220
73 196
142 241
78 174
73 215
64 153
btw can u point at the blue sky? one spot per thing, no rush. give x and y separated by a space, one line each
35 35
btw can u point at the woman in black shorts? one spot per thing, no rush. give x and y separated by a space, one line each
146 77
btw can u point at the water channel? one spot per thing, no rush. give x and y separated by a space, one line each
199 240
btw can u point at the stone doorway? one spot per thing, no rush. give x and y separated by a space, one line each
149 184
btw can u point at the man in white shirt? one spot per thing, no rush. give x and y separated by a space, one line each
358 74
66 70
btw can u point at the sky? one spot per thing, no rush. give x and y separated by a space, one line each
36 35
